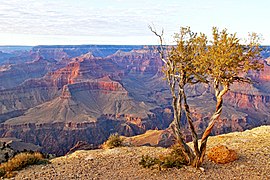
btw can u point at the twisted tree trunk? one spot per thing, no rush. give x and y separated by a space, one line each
219 95
176 124
192 128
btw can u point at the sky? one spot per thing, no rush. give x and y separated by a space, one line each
114 22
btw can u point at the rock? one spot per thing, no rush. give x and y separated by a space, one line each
80 145
242 166
66 94
202 169
160 138
89 158
221 154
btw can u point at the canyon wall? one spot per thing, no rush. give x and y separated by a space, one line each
56 96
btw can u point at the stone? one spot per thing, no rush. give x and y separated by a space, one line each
202 169
221 154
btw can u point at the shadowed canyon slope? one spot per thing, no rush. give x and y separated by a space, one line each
55 96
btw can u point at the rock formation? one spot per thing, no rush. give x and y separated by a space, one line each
55 96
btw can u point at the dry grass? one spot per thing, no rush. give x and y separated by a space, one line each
19 162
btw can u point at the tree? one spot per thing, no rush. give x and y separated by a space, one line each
227 61
221 63
179 70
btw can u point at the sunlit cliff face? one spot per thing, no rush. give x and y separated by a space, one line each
58 101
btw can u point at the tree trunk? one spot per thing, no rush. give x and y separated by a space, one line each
208 130
219 94
176 124
191 126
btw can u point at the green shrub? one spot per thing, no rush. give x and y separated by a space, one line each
148 161
2 172
113 141
19 162
174 159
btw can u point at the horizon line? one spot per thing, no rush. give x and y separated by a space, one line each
95 45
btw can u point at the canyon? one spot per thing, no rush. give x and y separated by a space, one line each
57 96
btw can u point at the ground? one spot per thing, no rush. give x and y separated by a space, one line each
252 146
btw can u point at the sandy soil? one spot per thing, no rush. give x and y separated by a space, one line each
253 147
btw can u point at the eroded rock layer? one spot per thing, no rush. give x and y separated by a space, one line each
56 96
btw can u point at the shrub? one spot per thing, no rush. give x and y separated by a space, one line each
19 162
148 161
113 141
2 172
174 159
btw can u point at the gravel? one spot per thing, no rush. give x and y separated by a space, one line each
252 146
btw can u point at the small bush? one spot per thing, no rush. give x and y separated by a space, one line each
2 172
148 161
174 159
113 141
19 162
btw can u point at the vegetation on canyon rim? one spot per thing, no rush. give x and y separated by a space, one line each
113 141
220 62
19 162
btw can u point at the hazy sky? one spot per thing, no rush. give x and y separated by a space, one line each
36 22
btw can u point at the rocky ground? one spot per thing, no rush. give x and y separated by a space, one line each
252 146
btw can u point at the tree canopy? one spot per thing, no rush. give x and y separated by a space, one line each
219 62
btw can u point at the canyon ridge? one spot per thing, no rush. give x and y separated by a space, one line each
57 96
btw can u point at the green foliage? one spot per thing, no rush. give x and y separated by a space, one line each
190 46
184 57
222 59
148 161
19 162
113 141
2 172
174 159
220 62
227 60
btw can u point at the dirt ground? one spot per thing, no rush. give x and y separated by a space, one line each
252 146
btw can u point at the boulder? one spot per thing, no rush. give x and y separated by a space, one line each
221 154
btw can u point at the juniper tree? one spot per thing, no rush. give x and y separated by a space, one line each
227 61
179 69
221 63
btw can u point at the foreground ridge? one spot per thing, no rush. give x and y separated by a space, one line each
253 147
